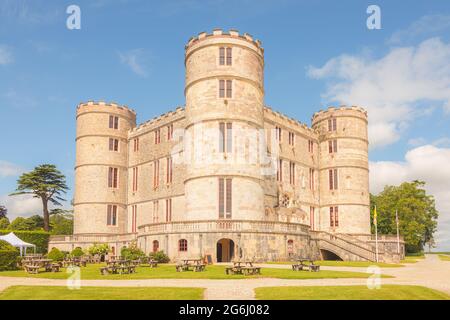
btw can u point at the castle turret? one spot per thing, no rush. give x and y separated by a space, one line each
344 170
224 111
101 168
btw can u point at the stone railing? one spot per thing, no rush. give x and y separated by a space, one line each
224 226
99 238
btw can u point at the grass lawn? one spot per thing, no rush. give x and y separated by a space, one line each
386 292
412 259
168 272
363 264
100 293
444 257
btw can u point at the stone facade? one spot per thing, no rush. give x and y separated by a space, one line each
225 175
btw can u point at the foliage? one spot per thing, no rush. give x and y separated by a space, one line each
3 212
416 211
132 252
56 255
98 248
159 256
4 223
44 182
61 224
39 238
32 223
8 256
77 252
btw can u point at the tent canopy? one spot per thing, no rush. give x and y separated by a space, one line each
13 240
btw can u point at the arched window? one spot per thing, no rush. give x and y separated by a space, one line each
182 245
290 247
155 245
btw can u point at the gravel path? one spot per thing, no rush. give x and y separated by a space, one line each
430 272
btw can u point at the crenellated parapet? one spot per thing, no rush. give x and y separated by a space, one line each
281 118
158 121
230 35
109 107
342 111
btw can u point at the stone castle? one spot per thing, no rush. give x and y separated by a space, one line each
224 176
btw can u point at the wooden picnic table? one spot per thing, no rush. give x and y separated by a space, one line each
301 265
118 266
190 264
243 267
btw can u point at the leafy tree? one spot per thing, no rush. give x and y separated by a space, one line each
61 223
4 223
45 182
99 248
3 212
28 224
416 211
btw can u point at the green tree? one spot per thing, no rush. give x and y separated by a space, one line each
61 223
416 211
4 223
3 212
45 182
28 224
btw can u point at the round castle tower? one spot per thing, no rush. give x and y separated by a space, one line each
101 144
344 170
224 98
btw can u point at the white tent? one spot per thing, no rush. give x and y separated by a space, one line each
13 240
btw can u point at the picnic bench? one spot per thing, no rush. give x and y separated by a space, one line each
153 263
195 265
118 267
305 264
34 269
243 267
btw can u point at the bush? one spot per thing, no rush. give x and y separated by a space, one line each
38 238
98 248
132 252
77 252
8 256
56 255
159 256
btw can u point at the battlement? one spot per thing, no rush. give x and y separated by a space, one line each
338 111
94 104
156 120
291 121
232 33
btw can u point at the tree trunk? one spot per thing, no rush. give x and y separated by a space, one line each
46 215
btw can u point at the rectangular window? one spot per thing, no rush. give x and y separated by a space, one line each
168 210
111 217
225 137
225 198
278 134
169 170
332 124
291 138
311 179
136 144
113 122
135 179
113 144
332 146
225 55
229 56
113 177
229 88
310 146
133 218
156 174
292 173
221 88
280 170
222 56
311 217
334 217
157 136
333 179
155 211
169 132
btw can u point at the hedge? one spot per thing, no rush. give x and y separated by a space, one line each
38 238
8 256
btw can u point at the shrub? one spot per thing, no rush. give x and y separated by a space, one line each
56 255
77 252
132 252
99 248
159 256
38 238
8 256
4 223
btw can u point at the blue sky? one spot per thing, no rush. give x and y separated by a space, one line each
317 53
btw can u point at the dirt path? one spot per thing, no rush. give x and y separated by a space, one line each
430 272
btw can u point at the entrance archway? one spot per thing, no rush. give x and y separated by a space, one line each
328 255
225 250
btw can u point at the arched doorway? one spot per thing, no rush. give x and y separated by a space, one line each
328 255
225 250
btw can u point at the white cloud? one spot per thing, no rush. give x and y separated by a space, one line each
21 206
134 59
396 89
428 163
8 169
425 26
6 56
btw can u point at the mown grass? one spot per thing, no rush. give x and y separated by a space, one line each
444 257
100 293
360 264
386 292
92 272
